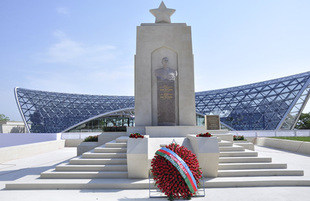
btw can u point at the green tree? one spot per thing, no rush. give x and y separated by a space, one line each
4 118
304 121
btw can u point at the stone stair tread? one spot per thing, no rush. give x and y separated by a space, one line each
225 143
54 184
77 175
238 153
104 155
244 159
122 139
233 166
69 167
115 144
109 150
242 142
231 148
260 172
259 181
90 172
97 161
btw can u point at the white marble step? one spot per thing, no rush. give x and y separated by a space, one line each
84 175
261 172
104 155
239 154
110 150
77 168
226 137
244 159
235 166
245 144
31 183
116 145
95 161
122 139
225 143
229 149
56 184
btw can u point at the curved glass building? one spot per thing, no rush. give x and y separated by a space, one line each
270 105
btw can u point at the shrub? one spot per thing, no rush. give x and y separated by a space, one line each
91 139
238 137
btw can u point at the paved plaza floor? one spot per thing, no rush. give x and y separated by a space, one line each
16 169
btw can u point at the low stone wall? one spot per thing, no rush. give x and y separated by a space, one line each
288 145
16 139
85 147
73 142
20 151
106 137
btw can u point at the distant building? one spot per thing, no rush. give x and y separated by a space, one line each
269 105
12 127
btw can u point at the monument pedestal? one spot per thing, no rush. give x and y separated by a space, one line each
207 152
173 131
140 152
137 158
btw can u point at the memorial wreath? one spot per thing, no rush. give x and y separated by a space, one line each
176 171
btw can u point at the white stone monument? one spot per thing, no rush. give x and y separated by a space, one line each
164 73
165 95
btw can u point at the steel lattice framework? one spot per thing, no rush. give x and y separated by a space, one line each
269 105
50 112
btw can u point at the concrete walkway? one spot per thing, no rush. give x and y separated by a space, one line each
13 170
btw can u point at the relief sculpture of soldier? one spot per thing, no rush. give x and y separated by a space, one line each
166 73
166 78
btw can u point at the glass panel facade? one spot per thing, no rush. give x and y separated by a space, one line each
265 105
114 121
49 112
259 106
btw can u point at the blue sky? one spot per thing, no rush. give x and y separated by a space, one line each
88 47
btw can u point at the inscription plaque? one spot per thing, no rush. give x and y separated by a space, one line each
212 122
166 106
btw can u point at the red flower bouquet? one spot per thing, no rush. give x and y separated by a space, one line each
207 134
168 178
136 135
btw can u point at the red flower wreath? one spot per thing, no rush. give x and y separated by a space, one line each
167 177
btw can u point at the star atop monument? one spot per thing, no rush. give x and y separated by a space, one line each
162 13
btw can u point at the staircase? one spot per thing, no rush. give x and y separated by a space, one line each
105 167
235 161
107 161
240 167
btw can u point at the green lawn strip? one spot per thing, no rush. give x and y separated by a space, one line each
305 139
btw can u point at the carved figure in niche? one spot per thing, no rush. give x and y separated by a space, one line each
165 73
166 99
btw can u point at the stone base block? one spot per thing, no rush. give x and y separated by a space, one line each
137 158
85 147
207 151
173 131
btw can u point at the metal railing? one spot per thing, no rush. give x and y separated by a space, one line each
272 133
